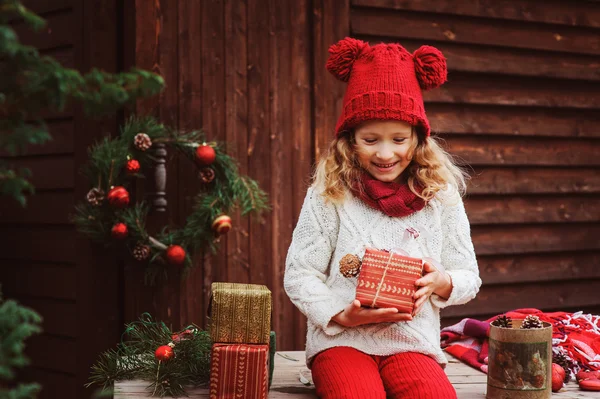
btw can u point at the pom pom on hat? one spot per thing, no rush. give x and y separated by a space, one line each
342 56
430 66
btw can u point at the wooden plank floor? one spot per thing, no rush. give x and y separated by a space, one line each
289 366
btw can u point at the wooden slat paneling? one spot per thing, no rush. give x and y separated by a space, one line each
38 279
301 149
54 384
192 298
506 90
61 130
260 242
474 119
64 55
43 243
213 45
539 267
440 27
44 6
525 151
52 353
98 272
501 298
236 131
495 180
543 209
45 207
49 172
552 12
57 32
523 239
60 317
461 57
331 23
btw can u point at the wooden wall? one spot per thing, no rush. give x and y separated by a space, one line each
45 264
521 107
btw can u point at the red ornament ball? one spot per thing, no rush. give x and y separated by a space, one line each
132 166
118 197
205 154
222 224
163 353
175 255
558 377
119 231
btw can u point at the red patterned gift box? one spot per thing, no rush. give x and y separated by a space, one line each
387 280
239 371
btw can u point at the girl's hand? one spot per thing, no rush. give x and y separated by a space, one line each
433 282
355 315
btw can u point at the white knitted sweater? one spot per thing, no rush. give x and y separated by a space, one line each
326 232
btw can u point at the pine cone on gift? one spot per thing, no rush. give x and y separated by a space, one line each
141 252
503 321
350 265
532 321
562 360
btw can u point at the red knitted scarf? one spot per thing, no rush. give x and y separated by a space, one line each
393 199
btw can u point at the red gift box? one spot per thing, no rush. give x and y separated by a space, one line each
387 280
239 371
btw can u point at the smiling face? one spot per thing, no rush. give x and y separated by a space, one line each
384 148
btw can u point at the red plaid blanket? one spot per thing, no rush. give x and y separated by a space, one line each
577 335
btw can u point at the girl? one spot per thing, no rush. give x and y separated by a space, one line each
383 176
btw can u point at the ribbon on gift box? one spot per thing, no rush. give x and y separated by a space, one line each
387 265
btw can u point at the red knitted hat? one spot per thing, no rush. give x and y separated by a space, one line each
385 81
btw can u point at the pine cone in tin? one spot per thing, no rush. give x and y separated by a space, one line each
503 321
350 265
562 360
532 321
141 252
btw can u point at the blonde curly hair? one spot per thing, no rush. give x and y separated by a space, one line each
431 168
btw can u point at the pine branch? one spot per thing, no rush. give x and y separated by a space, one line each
134 359
32 84
17 323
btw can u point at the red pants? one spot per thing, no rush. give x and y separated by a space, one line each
345 372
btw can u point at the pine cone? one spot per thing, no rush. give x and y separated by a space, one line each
141 252
206 175
350 265
562 360
532 321
503 321
95 196
142 141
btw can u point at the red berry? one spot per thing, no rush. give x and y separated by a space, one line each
163 353
132 166
175 255
205 155
118 197
119 231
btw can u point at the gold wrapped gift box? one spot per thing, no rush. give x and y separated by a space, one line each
240 313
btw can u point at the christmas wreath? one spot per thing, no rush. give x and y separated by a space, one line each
108 215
